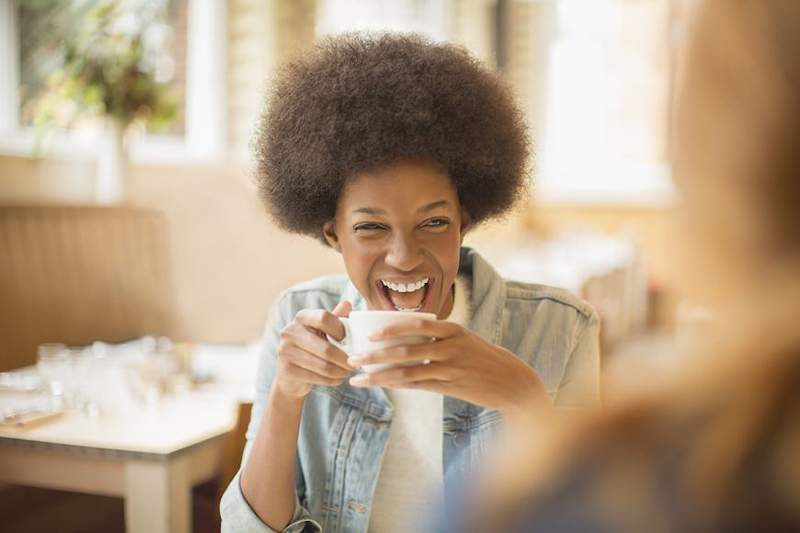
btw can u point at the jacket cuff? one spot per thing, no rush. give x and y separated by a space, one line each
237 515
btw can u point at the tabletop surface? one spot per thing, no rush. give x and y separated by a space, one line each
177 424
178 421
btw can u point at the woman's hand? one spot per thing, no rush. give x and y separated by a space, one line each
306 357
458 363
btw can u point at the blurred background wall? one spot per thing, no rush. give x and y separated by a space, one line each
592 77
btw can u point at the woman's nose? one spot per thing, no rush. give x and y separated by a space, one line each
404 254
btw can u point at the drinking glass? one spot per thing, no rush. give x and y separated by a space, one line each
91 377
53 366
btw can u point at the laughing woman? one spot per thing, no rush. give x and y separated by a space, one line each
389 149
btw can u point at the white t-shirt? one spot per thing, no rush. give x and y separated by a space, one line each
411 476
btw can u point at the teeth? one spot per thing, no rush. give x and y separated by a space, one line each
405 287
411 309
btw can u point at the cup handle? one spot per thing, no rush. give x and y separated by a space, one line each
344 344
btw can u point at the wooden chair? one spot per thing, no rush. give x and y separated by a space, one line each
234 448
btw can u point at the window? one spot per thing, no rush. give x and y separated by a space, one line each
184 43
592 78
466 22
603 127
429 18
44 25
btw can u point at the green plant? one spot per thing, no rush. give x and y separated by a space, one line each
107 69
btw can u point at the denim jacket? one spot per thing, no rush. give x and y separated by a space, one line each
343 430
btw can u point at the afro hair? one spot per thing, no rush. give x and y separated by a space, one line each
357 102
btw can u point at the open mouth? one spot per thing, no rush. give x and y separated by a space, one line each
400 296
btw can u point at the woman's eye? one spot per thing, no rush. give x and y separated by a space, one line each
437 223
367 227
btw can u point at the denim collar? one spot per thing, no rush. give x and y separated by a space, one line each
487 300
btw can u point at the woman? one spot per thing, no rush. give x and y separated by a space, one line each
717 450
389 149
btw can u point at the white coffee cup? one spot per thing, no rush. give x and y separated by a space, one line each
361 324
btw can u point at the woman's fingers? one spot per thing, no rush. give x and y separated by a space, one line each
307 340
323 321
303 375
306 356
407 353
323 349
397 377
342 309
299 357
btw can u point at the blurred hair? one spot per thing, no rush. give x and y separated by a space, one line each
737 125
717 449
359 102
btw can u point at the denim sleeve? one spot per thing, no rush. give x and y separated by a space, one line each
235 511
580 384
238 516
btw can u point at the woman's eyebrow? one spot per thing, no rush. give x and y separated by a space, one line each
433 205
370 210
424 209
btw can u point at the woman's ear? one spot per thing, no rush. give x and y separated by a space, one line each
329 231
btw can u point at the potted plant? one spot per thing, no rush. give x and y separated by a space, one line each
111 70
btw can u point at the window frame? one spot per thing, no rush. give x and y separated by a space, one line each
205 136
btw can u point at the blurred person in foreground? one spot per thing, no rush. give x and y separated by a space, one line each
389 149
718 449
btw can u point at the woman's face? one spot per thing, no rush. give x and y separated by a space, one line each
399 230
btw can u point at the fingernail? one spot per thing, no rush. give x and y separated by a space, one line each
359 380
355 361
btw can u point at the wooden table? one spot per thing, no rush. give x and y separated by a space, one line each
151 459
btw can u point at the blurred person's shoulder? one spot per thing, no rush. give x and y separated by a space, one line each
729 432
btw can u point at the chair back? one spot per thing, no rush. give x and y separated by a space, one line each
76 274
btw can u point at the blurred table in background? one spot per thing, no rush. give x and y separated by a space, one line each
149 451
